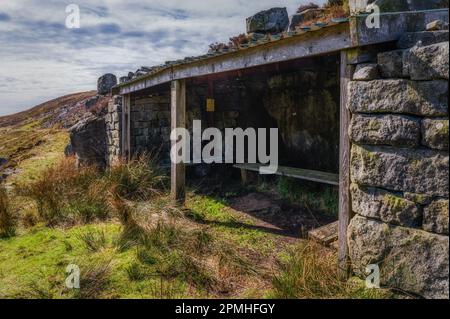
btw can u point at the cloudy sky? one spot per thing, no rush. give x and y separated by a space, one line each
41 59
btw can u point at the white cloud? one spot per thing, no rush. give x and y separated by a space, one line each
40 59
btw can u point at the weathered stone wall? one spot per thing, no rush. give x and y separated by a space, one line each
113 123
150 123
88 141
400 166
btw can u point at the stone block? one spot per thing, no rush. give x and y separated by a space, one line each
435 133
436 217
396 130
427 98
386 206
366 72
409 259
390 64
410 39
427 63
437 25
417 171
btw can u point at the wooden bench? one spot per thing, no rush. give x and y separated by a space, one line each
304 174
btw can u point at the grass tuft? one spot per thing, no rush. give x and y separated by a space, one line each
65 194
8 220
94 280
94 241
308 272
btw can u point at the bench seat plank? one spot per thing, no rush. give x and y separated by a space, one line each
299 173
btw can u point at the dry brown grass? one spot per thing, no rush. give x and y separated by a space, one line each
170 246
65 194
7 218
310 272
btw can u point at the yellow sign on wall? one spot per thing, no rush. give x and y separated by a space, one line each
210 105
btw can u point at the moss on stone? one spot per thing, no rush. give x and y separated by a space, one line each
396 204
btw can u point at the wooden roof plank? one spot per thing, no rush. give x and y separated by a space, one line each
322 41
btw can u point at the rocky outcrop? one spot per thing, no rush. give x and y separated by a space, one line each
88 140
105 83
410 259
274 20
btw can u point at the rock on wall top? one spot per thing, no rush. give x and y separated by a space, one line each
275 20
105 83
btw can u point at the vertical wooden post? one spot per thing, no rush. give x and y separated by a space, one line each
244 177
178 120
126 123
346 72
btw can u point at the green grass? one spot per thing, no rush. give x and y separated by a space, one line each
42 157
307 271
167 262
239 229
33 265
31 150
143 247
322 198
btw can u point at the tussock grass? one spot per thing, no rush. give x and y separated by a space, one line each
138 179
65 194
94 280
94 241
8 219
159 251
172 247
309 272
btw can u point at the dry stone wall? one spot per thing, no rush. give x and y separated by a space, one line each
113 123
400 165
150 123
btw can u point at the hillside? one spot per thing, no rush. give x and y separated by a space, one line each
62 112
34 139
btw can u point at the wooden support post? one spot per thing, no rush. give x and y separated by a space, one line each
345 212
244 177
178 120
126 123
